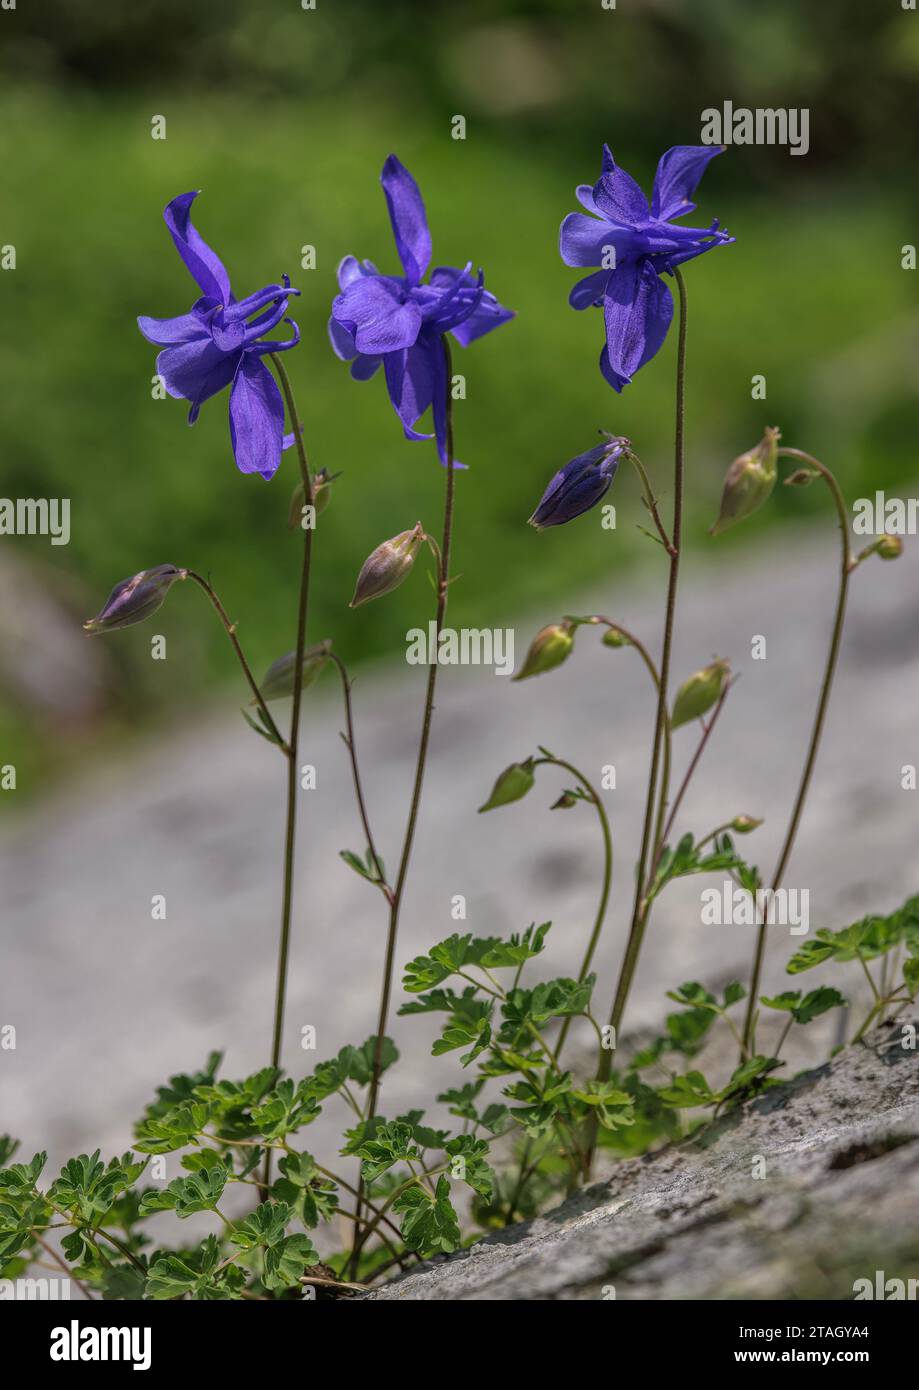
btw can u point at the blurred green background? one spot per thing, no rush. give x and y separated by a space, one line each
283 117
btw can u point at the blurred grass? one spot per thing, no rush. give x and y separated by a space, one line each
812 296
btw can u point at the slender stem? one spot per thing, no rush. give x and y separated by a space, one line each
651 502
351 746
819 718
594 798
247 670
640 908
62 1264
664 832
399 887
293 769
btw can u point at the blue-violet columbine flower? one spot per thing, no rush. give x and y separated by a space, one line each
635 243
580 484
399 319
218 343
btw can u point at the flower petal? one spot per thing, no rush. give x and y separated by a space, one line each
408 218
197 370
677 177
374 311
487 314
204 264
256 418
411 376
638 309
364 366
185 328
619 197
350 268
585 241
590 290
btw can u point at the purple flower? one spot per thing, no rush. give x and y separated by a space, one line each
580 484
399 319
635 243
219 343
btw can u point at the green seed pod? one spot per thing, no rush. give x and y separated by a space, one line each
696 696
514 782
749 481
548 649
742 825
890 547
387 566
322 495
278 682
612 637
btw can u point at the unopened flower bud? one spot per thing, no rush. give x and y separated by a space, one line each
514 782
614 637
802 477
742 825
135 599
548 649
696 696
387 566
321 497
890 547
565 802
279 678
580 484
749 481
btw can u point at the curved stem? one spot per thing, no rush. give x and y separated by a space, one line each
399 886
660 753
247 670
594 938
651 502
819 718
293 769
348 740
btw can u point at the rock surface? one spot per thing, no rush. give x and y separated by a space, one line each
837 1200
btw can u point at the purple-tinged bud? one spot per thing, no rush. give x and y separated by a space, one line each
749 481
549 648
614 637
387 566
135 599
696 696
743 825
565 802
580 484
514 782
278 682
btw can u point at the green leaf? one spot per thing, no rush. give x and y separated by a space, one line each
393 1143
614 1109
285 1109
19 1179
200 1192
518 949
264 1226
810 1007
687 1092
460 1101
193 1274
87 1187
362 1061
429 1223
446 959
286 1260
468 1163
911 975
